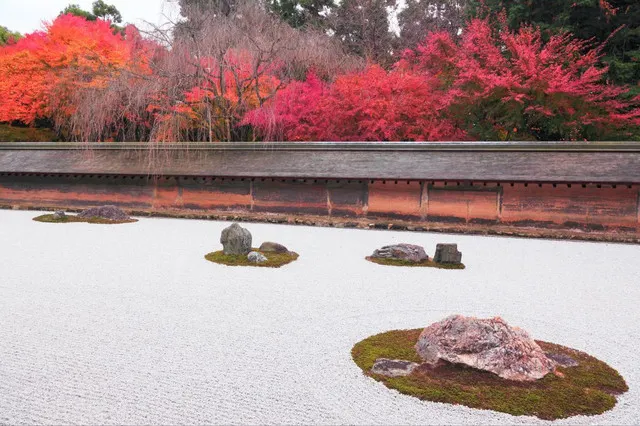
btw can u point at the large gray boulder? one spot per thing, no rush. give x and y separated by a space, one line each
236 240
408 252
486 344
59 215
393 367
447 253
105 212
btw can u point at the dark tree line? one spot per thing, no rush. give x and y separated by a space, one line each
363 27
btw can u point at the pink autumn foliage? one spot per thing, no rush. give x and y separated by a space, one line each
555 88
364 106
488 84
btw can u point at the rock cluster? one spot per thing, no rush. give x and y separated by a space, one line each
236 240
447 253
408 252
486 344
105 212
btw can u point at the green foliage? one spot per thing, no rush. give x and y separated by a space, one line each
10 133
418 18
423 264
99 10
362 26
7 36
299 13
587 389
274 260
76 10
106 11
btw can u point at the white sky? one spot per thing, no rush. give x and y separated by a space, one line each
26 16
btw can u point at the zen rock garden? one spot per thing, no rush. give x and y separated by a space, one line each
446 256
108 215
237 250
488 364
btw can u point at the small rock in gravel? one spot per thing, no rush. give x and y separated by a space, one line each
270 247
236 240
393 367
562 360
408 252
447 253
105 212
255 257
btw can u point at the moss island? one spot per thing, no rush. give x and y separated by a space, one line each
587 389
51 218
274 260
425 263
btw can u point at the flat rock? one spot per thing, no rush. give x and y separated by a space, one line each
236 240
393 367
408 252
105 212
256 257
270 247
485 344
447 253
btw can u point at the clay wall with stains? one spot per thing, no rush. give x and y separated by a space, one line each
560 206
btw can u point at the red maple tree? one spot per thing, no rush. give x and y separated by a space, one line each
370 105
503 85
491 84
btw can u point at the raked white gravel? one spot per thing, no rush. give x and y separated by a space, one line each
129 324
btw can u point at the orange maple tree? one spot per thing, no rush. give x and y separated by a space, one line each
41 71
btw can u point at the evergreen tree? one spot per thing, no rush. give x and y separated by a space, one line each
299 13
362 26
420 17
106 11
99 10
76 10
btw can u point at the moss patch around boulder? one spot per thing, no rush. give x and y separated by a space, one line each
426 263
50 218
274 260
588 389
